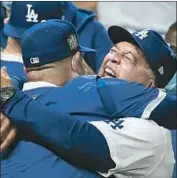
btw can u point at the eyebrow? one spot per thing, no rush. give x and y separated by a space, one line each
135 58
128 52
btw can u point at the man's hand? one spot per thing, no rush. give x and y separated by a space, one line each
5 79
8 133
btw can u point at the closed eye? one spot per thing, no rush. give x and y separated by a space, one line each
131 57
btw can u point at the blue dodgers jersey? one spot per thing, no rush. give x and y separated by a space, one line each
110 98
85 96
75 98
64 112
69 132
14 68
29 160
123 99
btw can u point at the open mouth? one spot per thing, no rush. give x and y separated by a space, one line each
109 73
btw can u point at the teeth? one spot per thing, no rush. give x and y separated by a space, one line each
109 71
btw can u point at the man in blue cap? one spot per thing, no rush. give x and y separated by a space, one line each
2 17
42 164
151 53
5 12
91 33
142 57
137 49
21 18
82 88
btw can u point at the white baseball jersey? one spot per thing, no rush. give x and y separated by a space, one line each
140 148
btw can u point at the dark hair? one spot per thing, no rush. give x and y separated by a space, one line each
172 27
170 32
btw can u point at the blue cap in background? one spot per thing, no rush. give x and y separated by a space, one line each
2 17
159 55
25 14
50 41
7 4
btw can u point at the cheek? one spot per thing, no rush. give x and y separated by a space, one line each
126 69
134 75
143 75
106 59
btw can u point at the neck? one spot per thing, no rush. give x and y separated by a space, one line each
67 78
13 47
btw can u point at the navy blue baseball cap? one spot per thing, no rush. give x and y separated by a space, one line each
50 41
25 14
159 55
3 37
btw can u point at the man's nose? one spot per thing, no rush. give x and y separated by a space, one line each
116 59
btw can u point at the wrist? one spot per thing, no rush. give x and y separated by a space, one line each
6 93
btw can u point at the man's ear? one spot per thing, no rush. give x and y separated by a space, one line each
76 63
152 83
76 59
80 66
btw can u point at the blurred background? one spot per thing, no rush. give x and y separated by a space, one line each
134 15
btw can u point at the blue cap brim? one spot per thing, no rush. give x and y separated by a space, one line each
7 4
14 32
3 40
86 50
118 34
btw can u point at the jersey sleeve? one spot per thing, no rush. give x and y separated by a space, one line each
136 146
73 138
126 99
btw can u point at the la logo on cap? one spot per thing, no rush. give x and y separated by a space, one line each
31 16
142 34
161 70
34 60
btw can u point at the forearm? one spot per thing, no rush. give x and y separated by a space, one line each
78 142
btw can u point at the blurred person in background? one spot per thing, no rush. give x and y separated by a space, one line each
5 13
19 21
170 38
91 33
